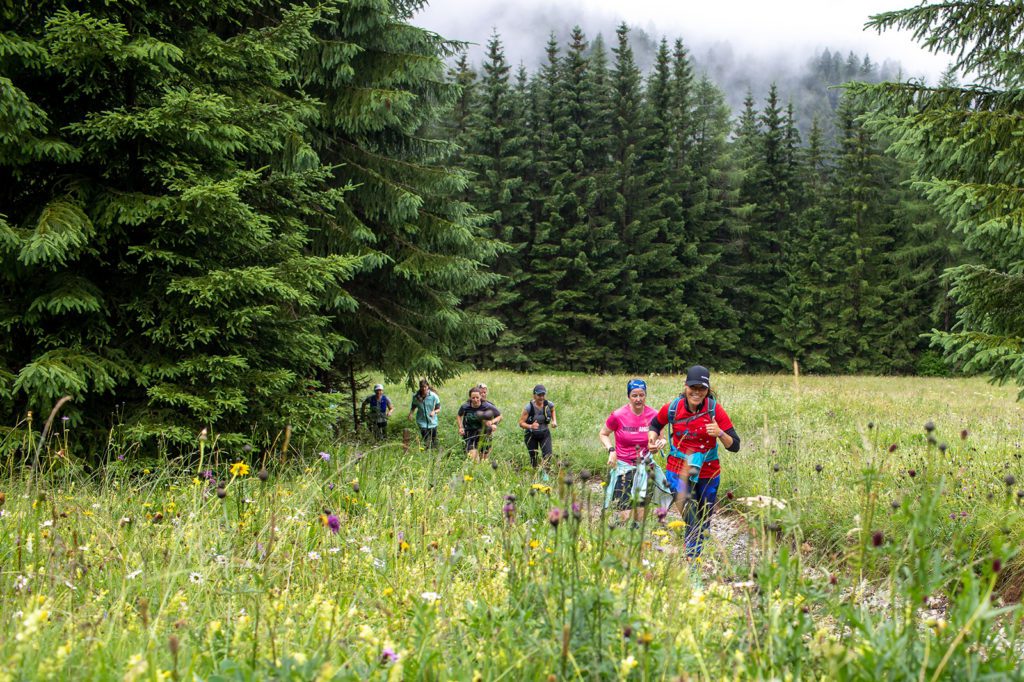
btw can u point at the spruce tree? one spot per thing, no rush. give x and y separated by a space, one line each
717 181
544 330
632 338
456 121
159 196
580 278
862 206
498 161
963 145
804 330
383 88
765 195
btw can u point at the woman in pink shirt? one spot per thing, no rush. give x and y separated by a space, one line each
629 425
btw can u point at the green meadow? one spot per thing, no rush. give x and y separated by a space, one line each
888 548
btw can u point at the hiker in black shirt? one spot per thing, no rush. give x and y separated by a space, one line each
538 418
473 417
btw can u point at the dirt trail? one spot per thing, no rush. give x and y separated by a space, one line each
733 550
729 548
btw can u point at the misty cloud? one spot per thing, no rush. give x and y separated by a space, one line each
741 44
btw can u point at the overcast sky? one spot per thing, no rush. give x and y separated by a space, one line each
786 29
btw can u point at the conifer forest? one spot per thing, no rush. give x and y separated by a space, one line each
217 216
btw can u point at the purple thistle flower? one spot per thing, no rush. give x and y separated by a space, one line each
661 513
120 458
555 516
334 523
510 511
387 656
577 510
325 456
330 486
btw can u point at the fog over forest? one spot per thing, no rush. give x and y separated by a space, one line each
735 68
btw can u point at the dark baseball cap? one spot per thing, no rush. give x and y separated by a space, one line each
698 376
539 389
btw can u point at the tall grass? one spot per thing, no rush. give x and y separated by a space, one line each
443 569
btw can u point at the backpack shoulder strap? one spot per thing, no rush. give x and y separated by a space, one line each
672 409
711 407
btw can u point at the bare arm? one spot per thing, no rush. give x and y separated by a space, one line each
522 421
606 441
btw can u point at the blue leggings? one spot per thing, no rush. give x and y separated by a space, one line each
703 496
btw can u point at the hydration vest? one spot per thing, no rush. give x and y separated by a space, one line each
543 418
697 459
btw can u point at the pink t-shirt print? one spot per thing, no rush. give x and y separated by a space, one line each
630 431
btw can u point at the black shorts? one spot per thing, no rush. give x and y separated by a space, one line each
471 439
622 494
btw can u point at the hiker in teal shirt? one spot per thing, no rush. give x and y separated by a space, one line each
425 407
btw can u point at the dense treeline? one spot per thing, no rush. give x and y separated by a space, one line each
211 211
646 227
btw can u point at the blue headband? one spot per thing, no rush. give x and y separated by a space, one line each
634 384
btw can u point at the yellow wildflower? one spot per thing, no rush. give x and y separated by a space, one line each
467 478
239 469
137 667
676 524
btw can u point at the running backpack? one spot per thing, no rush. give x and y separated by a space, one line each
531 413
696 459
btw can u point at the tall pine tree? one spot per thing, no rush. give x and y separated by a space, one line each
160 195
383 88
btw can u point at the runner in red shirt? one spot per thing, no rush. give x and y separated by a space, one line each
698 424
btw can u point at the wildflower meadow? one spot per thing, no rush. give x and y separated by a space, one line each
869 528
